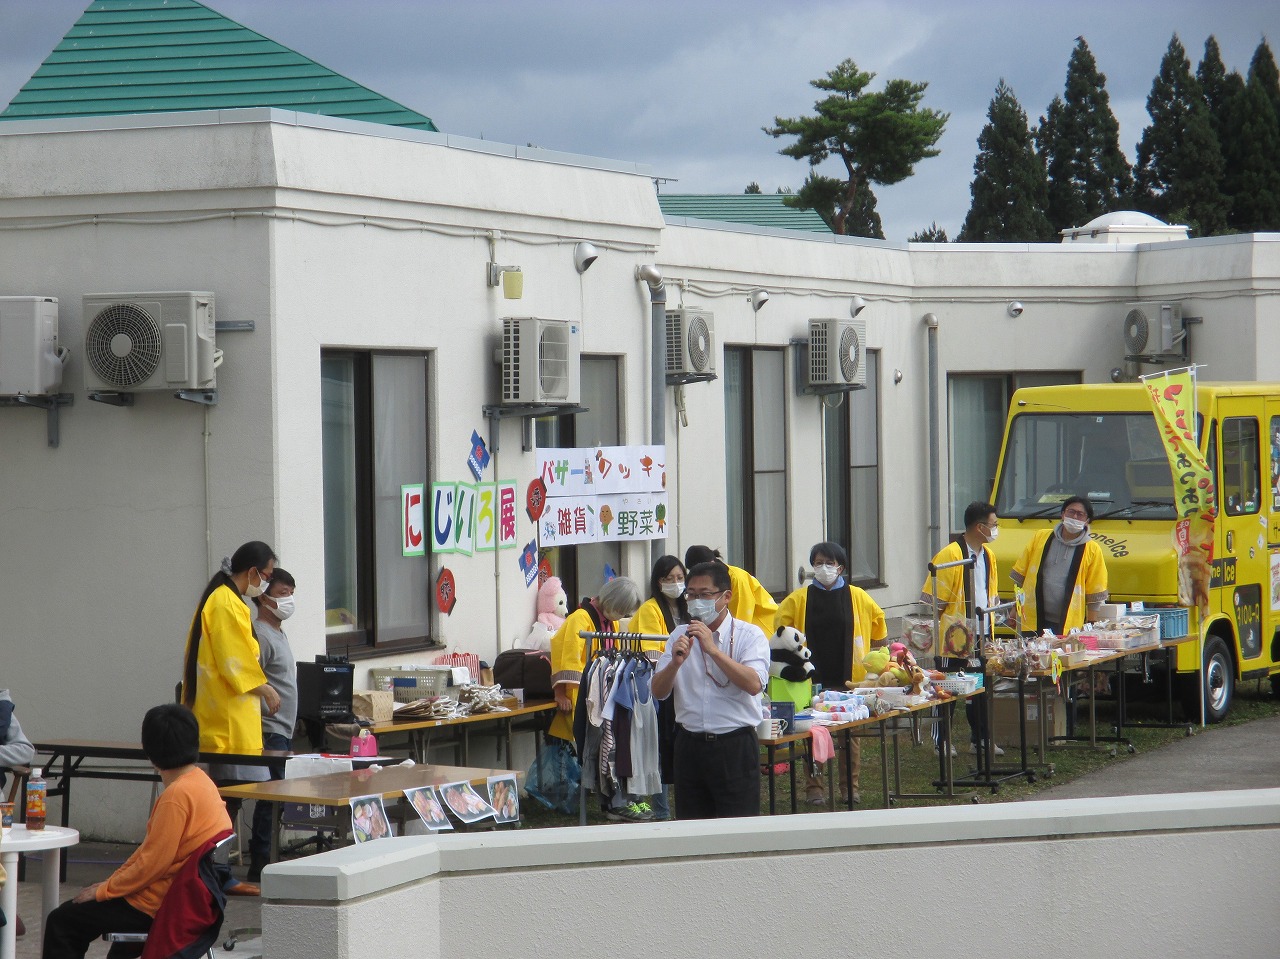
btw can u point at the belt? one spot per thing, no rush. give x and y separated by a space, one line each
713 737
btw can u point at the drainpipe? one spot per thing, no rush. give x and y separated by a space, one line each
935 522
657 368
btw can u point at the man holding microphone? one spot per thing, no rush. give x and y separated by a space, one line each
717 667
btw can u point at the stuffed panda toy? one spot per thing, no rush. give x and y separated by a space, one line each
789 655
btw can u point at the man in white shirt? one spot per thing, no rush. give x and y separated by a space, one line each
717 667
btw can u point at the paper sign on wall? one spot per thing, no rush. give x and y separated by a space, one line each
569 520
603 469
478 458
413 539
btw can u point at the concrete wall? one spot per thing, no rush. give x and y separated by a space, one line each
1149 875
331 233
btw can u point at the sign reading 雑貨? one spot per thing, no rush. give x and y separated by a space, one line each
603 494
470 517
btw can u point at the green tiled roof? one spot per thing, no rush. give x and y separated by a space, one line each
160 56
759 209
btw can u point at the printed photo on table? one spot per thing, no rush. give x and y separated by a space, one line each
426 803
504 797
369 819
464 802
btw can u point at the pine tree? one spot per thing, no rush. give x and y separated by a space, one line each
879 137
1009 186
1215 85
1263 68
1180 168
930 234
753 187
1254 179
1079 139
1224 96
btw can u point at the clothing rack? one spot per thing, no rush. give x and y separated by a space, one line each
626 644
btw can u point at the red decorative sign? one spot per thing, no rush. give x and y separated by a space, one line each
446 591
535 499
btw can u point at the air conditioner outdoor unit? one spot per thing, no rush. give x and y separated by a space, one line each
691 346
541 361
837 354
1154 332
138 342
31 360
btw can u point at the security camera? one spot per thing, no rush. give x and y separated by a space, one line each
758 299
1016 308
584 254
1117 375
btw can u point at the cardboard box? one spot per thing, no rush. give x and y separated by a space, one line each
372 704
1006 718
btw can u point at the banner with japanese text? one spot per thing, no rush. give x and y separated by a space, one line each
1173 401
603 469
611 517
469 517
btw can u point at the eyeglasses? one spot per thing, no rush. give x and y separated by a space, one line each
1075 513
718 592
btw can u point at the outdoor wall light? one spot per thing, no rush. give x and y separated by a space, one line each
1015 309
584 254
758 299
509 277
857 305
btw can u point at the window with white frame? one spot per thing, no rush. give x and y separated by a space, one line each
852 458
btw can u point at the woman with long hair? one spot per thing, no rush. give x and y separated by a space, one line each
222 681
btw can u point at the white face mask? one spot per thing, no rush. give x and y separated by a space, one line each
1073 526
704 610
826 573
256 590
285 606
993 533
672 590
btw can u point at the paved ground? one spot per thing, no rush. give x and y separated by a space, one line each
1238 757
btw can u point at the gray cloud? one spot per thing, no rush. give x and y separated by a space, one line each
686 86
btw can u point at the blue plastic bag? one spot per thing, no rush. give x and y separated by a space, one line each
553 778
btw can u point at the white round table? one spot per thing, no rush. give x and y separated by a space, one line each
19 840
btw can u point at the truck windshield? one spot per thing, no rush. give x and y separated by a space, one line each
1115 459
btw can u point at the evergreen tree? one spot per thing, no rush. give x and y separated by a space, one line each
1180 168
1254 180
930 234
753 187
1009 186
1214 83
1263 68
879 137
1079 139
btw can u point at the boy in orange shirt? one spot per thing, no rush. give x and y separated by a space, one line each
187 815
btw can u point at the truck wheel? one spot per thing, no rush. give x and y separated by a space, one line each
1219 684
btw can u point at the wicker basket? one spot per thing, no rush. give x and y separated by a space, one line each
409 685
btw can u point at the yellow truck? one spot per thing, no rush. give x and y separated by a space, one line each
1101 441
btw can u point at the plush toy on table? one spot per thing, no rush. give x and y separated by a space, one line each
789 656
553 607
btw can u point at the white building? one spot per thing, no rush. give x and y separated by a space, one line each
360 253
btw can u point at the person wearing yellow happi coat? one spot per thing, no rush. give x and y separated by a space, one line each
841 624
223 682
1061 575
617 600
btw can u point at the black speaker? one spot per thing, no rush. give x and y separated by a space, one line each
324 691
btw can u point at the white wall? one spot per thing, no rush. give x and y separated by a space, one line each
1184 874
338 234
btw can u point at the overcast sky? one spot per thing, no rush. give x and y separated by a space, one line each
686 86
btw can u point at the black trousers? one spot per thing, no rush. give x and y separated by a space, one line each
717 776
73 926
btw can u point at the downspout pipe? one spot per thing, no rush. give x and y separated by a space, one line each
935 469
652 276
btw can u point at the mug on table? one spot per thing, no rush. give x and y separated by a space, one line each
771 728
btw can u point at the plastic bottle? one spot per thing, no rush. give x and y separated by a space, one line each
37 791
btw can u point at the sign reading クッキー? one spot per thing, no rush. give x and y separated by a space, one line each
603 493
